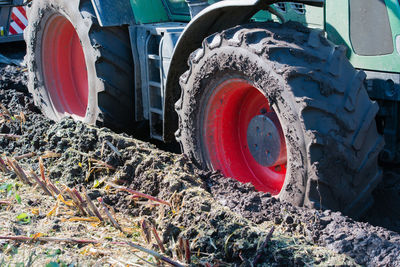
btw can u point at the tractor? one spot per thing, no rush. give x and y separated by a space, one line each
299 98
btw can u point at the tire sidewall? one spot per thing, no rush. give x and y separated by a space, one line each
230 62
39 15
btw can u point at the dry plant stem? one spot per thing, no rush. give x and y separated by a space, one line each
75 200
5 202
263 246
188 253
157 237
41 167
3 166
22 116
53 188
78 196
50 239
12 167
82 202
27 155
21 171
113 221
10 136
113 148
108 166
79 219
102 150
136 193
146 231
92 206
42 185
17 169
50 154
180 250
155 254
5 110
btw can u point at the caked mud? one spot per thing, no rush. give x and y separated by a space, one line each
225 223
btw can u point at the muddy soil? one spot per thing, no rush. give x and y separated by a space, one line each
225 223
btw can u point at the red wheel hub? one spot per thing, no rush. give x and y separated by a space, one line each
64 67
243 136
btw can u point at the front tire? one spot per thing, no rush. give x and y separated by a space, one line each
314 101
77 68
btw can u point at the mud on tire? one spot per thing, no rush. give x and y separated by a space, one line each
108 58
328 120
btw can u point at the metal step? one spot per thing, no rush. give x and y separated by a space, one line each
155 84
156 110
156 57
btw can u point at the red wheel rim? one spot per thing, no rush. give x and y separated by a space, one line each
64 67
230 109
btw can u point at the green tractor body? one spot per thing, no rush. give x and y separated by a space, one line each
240 87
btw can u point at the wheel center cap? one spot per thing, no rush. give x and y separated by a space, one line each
264 140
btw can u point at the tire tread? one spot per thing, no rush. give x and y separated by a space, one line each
315 59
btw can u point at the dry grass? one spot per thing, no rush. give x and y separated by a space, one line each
38 226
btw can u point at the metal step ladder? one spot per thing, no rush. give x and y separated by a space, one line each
155 43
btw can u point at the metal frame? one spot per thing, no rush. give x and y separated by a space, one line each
385 89
152 49
5 14
12 3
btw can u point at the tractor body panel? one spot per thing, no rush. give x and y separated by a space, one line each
178 10
362 24
310 16
156 11
149 11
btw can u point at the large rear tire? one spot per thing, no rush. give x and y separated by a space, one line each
260 82
77 68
